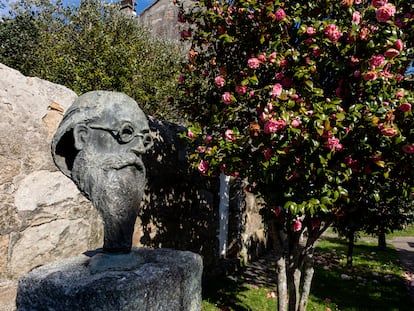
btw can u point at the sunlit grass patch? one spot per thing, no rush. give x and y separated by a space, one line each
374 282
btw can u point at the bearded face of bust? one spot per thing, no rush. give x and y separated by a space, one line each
108 136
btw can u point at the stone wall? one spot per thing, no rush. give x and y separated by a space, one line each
44 218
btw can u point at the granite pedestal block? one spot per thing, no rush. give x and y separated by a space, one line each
145 279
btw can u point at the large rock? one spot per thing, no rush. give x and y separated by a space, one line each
43 217
165 280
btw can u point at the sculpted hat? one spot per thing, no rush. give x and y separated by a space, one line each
91 106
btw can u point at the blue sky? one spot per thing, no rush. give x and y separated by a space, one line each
140 4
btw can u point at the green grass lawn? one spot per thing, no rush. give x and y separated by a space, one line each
375 282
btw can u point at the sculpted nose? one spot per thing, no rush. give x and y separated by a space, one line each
142 144
138 147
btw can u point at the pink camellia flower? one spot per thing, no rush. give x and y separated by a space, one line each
272 57
273 126
405 107
203 167
399 94
357 73
268 153
310 31
315 222
262 58
408 149
208 139
279 75
241 89
277 90
280 14
333 144
180 79
338 92
253 63
295 175
181 18
219 81
399 77
332 32
185 34
271 295
226 98
269 106
316 51
190 134
201 149
389 131
370 75
386 74
295 123
391 53
399 45
353 164
283 63
263 116
287 81
228 134
297 225
379 3
385 12
221 30
277 210
377 60
356 17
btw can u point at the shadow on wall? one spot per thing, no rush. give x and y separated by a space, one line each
180 207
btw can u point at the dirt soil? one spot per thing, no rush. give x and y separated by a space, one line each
260 270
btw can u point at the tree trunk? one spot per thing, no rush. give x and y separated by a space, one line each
279 239
294 288
282 293
351 244
382 244
294 265
307 281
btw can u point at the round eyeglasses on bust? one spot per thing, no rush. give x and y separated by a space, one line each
125 134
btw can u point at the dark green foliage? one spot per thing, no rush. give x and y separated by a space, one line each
90 47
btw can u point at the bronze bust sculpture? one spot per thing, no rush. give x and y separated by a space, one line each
98 145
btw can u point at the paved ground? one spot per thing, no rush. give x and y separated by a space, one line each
405 248
259 271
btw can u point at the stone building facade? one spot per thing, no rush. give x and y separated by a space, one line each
161 18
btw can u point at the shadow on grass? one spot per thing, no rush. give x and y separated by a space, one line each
224 292
373 283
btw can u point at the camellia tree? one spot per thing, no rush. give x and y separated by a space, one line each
310 101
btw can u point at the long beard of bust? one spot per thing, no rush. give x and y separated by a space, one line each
115 185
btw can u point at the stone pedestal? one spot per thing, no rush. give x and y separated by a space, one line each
146 279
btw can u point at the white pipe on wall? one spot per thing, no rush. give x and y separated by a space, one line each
224 213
